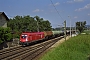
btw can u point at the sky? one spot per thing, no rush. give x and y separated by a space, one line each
70 10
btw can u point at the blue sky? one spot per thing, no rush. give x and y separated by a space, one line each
69 10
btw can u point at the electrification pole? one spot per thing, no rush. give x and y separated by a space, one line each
70 26
65 29
37 26
75 28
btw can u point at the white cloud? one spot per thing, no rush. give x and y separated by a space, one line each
37 10
78 0
83 8
56 4
88 14
69 1
72 1
75 17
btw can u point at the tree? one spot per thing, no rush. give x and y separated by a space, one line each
5 34
42 25
47 25
30 24
80 26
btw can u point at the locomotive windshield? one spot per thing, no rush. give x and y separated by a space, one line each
23 36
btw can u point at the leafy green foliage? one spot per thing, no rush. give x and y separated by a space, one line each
27 23
1 41
8 36
5 34
76 48
80 26
1 34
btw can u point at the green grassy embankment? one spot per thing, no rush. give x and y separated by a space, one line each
76 48
87 31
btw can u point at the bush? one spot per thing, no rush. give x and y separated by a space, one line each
5 34
1 41
1 34
8 37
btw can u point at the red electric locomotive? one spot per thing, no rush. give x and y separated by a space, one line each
28 37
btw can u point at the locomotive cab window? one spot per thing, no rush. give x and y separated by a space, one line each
23 36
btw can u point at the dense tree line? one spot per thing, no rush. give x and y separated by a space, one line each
27 23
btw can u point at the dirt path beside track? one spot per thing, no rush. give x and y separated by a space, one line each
60 41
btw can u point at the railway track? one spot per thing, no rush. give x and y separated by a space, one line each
26 53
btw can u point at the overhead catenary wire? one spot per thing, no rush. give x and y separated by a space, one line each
61 18
56 10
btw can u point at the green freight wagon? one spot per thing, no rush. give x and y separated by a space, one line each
57 33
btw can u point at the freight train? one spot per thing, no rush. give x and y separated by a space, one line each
28 37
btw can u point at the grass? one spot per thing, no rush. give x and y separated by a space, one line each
76 48
87 31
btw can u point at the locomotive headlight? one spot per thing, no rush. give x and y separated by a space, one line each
22 35
26 39
25 35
